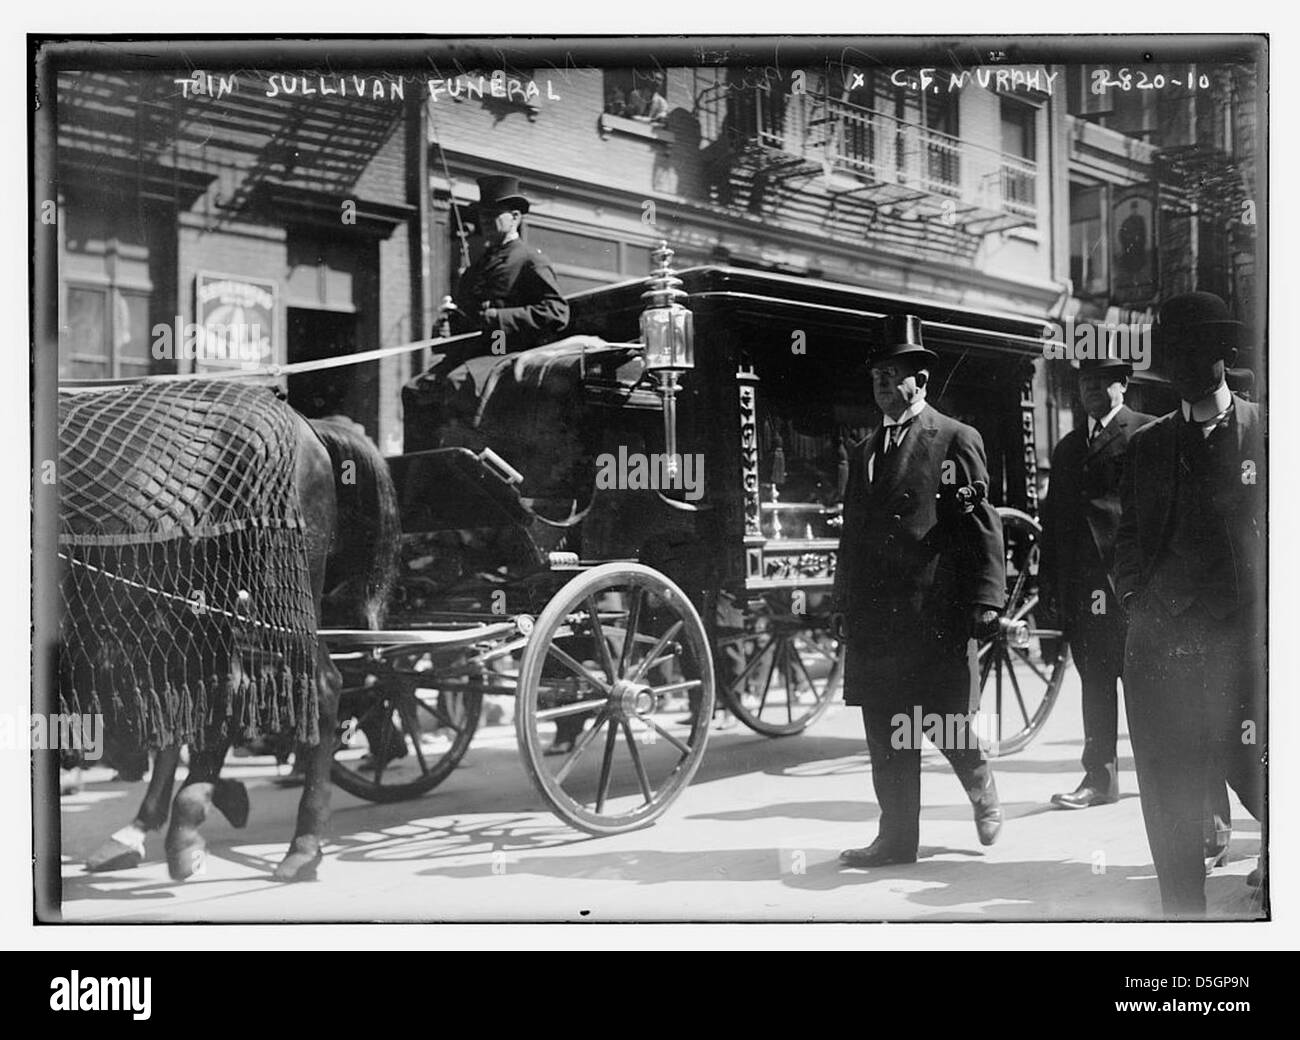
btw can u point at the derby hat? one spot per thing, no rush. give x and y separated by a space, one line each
500 191
900 337
1198 319
1110 359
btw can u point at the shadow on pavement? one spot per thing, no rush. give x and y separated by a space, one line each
968 888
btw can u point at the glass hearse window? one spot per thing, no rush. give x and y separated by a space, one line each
813 405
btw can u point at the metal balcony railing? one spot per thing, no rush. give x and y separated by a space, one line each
1020 186
874 148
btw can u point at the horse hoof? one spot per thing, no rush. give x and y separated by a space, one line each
114 855
186 858
231 798
298 866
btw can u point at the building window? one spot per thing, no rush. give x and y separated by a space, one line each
1019 157
583 261
103 333
942 148
105 293
1130 112
637 94
1134 114
853 97
1019 129
1088 241
1080 99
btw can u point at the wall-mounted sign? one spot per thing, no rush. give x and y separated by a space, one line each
236 319
1133 246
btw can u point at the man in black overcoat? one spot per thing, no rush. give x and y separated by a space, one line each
1190 571
511 288
509 294
920 571
1080 516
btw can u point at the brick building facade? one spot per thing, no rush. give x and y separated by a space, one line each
997 188
231 188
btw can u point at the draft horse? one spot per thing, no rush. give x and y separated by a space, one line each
344 497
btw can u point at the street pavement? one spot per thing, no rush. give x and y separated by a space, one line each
755 838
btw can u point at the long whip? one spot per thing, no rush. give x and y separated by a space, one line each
455 210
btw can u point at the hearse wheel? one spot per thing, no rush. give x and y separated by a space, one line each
779 668
612 666
1022 667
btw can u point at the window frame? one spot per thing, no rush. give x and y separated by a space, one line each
114 295
1103 195
115 286
1028 111
624 244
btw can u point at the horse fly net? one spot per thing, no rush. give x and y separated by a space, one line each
186 591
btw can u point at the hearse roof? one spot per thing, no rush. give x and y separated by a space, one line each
766 296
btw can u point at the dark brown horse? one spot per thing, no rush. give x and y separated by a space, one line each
349 508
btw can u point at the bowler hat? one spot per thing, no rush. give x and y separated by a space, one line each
900 337
1196 319
501 191
1109 359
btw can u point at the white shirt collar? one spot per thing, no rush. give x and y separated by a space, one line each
913 410
1209 407
1104 421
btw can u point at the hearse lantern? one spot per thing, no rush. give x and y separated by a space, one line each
667 329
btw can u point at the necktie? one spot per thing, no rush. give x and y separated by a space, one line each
1096 432
893 435
1210 425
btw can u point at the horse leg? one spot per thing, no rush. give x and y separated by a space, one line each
185 845
125 849
231 799
304 854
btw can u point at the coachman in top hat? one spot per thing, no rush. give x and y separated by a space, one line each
509 294
1190 571
509 288
921 570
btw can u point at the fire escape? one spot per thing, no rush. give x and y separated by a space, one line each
1211 183
857 174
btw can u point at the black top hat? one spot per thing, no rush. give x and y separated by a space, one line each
900 337
1197 319
501 191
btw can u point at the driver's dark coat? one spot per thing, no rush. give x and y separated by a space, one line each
912 565
520 283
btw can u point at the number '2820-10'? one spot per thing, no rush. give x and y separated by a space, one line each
1125 79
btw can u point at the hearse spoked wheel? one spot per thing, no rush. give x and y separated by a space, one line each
1022 667
779 668
611 669
399 739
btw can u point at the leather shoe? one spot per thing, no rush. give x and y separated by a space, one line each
877 854
988 812
1083 797
988 823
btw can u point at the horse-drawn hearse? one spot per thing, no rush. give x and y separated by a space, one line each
618 529
553 551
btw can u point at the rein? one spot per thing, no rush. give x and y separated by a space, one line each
269 371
